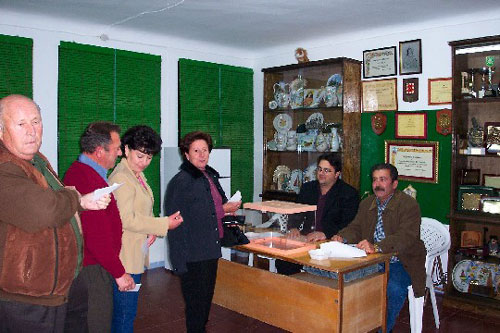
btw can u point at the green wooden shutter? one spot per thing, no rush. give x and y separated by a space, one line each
218 99
237 126
16 66
97 83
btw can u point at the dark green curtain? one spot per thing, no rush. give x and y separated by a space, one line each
218 99
97 83
16 66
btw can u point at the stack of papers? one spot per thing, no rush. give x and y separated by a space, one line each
340 250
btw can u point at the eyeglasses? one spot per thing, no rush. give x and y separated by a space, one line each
325 170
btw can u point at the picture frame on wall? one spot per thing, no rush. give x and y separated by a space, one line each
410 57
379 95
379 62
411 125
440 91
415 160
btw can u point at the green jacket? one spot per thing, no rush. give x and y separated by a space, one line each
402 233
40 241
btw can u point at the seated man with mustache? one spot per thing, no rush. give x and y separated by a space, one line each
389 221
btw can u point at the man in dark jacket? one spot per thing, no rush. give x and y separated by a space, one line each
40 238
389 221
337 204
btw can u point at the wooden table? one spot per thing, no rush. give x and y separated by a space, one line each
304 302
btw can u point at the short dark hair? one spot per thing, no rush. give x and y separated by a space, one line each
142 138
386 166
97 134
333 159
191 137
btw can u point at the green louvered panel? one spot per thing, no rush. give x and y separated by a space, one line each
97 83
138 103
237 126
199 98
16 66
86 85
218 99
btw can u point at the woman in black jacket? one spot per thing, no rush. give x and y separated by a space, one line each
195 245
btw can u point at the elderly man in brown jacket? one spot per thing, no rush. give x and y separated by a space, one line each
40 238
389 221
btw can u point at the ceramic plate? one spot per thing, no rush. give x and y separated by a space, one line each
295 180
310 173
334 81
281 176
282 122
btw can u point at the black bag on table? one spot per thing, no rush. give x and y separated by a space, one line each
232 232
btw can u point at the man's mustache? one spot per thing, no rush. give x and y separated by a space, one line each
378 188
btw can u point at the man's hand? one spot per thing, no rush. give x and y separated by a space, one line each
125 282
337 238
231 207
293 233
175 220
316 236
367 246
87 201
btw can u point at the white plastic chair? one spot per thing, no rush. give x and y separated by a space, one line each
437 242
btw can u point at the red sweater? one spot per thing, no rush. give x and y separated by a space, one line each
102 229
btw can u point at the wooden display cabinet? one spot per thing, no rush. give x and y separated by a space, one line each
283 102
470 59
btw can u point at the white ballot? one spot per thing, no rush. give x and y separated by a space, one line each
236 197
340 250
137 287
105 190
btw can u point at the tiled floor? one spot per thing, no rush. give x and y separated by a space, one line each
161 309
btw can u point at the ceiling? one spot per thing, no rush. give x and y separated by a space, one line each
253 24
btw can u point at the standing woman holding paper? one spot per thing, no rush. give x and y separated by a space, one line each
140 228
195 246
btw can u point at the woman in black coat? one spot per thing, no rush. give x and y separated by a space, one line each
195 245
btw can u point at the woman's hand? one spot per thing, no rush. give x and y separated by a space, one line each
231 207
175 220
151 239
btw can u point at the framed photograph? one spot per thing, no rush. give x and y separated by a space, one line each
379 62
379 95
492 137
471 238
491 180
470 176
415 160
410 57
411 125
440 91
469 196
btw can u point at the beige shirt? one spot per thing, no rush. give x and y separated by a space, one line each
135 204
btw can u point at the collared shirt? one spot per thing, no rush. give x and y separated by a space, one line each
379 233
94 165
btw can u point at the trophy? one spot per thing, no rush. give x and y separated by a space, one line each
490 61
476 134
468 84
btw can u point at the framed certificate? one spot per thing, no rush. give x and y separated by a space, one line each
415 160
411 125
440 91
379 62
380 95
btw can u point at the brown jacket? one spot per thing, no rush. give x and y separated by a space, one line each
38 245
402 230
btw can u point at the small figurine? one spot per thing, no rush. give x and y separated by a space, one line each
301 55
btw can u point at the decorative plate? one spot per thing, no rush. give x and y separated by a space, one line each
310 173
282 122
295 181
281 176
460 276
315 121
334 81
297 92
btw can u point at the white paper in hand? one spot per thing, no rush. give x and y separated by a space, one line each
136 289
105 190
236 197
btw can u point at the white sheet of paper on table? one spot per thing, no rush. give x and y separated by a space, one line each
340 250
236 197
136 289
105 190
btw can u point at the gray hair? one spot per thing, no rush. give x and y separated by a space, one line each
2 107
